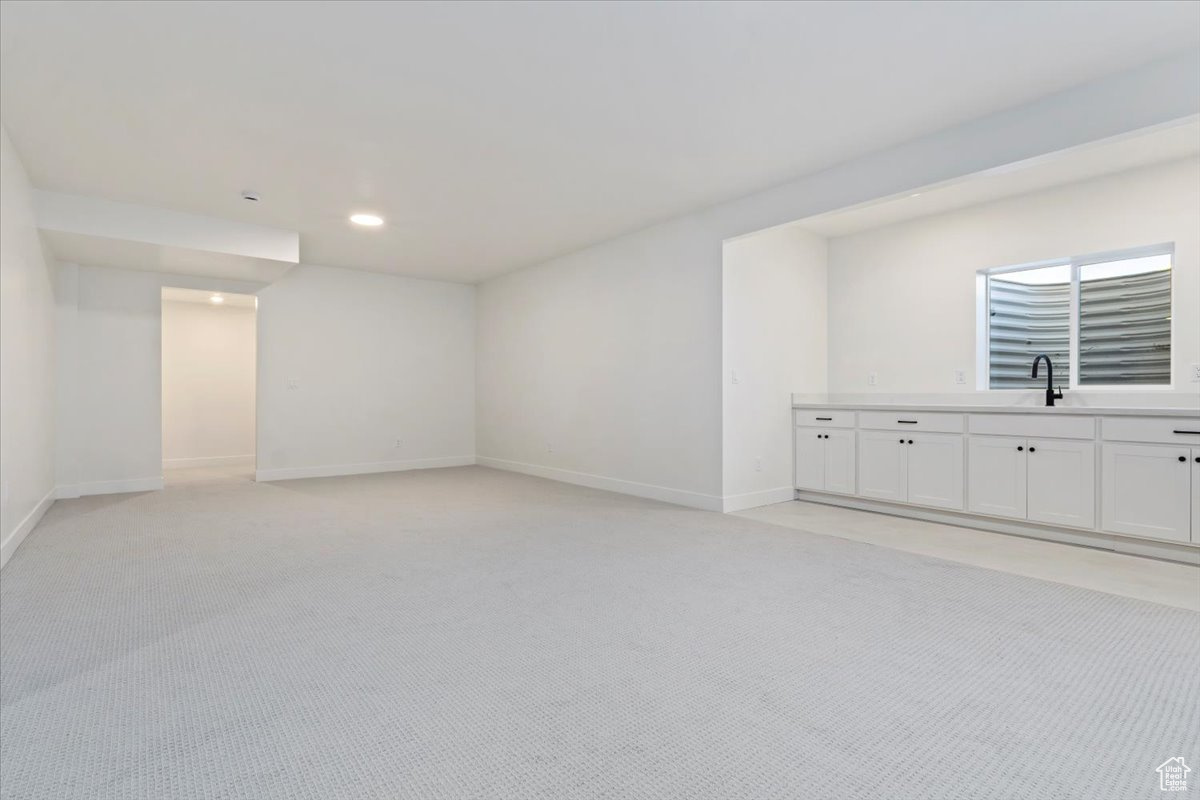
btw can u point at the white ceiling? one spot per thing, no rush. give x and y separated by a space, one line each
98 251
1092 161
494 135
229 300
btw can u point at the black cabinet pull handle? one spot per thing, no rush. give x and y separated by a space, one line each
1198 459
1020 448
824 419
910 441
901 441
1183 458
1033 449
907 421
1190 433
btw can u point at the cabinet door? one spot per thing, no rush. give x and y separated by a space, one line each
1146 490
1196 495
996 476
1062 482
935 470
839 461
810 459
881 465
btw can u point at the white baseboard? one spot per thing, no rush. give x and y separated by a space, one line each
67 491
767 497
334 470
681 497
209 461
14 539
1094 539
1169 552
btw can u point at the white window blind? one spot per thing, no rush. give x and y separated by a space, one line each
1103 320
1125 328
1026 319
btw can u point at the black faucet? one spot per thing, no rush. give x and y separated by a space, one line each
1051 395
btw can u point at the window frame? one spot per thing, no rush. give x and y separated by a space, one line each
1075 263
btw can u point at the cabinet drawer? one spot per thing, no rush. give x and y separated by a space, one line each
823 418
920 421
1039 425
1159 430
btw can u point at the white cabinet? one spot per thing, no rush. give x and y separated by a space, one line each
825 460
921 468
810 459
1196 495
1062 482
935 470
1132 475
881 466
839 461
997 476
1041 480
1148 490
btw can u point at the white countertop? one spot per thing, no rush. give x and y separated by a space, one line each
1095 411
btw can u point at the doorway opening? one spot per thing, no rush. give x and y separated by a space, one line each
208 386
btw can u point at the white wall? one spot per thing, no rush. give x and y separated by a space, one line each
110 376
902 299
373 357
613 354
775 323
26 360
602 367
208 374
350 362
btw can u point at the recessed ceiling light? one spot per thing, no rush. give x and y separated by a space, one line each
216 299
369 220
915 194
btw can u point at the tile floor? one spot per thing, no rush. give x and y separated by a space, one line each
1116 573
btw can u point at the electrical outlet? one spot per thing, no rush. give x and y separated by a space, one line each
1195 373
758 465
549 447
293 383
960 376
872 378
399 442
733 377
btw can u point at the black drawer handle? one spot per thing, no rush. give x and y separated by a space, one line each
829 419
907 421
1191 433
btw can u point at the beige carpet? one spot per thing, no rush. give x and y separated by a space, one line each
467 633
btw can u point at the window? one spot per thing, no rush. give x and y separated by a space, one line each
1104 320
